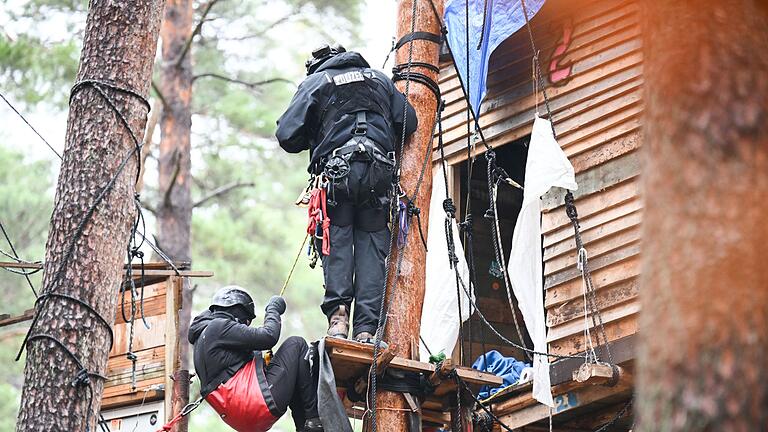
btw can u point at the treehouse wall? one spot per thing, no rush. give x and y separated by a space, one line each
595 92
156 347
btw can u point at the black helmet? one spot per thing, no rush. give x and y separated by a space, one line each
234 295
320 55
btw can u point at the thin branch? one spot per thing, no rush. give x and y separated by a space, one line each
261 32
251 85
221 191
159 94
146 147
195 32
177 167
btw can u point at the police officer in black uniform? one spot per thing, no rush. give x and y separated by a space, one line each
350 118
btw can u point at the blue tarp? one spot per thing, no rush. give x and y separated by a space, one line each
506 367
504 18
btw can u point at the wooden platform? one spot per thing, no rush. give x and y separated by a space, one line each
352 360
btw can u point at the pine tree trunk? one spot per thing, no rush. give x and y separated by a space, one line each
704 345
119 47
404 322
175 208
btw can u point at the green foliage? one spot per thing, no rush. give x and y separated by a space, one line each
36 71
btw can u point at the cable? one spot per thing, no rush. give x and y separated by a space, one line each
30 126
16 256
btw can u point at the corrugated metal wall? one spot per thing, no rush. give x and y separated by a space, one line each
597 113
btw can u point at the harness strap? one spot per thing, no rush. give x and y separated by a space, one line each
361 124
419 35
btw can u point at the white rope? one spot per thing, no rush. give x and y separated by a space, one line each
589 352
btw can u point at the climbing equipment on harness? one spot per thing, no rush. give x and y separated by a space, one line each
319 223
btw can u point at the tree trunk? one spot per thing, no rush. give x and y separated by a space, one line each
404 322
119 48
175 207
704 345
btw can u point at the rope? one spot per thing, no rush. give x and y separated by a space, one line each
498 246
16 256
30 125
293 267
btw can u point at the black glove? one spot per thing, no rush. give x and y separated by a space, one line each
277 304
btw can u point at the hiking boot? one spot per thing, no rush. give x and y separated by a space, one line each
338 323
313 425
370 339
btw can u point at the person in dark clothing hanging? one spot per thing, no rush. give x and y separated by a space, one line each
248 394
351 119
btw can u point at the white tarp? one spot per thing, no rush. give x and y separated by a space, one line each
439 316
547 167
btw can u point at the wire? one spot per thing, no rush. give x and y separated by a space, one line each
30 126
16 257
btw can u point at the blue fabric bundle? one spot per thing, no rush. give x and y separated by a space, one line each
508 368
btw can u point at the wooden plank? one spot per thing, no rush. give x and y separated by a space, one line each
595 221
569 274
589 205
565 402
125 389
605 238
606 297
603 277
121 362
611 148
595 180
495 123
614 330
609 314
130 399
143 338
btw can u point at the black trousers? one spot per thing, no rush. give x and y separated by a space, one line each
359 235
291 381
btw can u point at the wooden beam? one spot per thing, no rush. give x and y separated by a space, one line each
570 397
7 319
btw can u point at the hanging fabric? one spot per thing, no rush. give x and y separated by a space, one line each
440 316
490 23
547 167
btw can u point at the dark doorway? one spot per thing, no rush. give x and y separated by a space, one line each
490 289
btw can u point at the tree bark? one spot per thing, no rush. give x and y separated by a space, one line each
175 207
119 48
404 322
704 345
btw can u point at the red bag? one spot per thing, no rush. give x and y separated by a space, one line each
241 401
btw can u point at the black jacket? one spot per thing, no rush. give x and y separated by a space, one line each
309 122
223 345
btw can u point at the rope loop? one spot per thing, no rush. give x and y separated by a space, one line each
449 207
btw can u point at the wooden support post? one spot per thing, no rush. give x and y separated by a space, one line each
176 393
404 320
